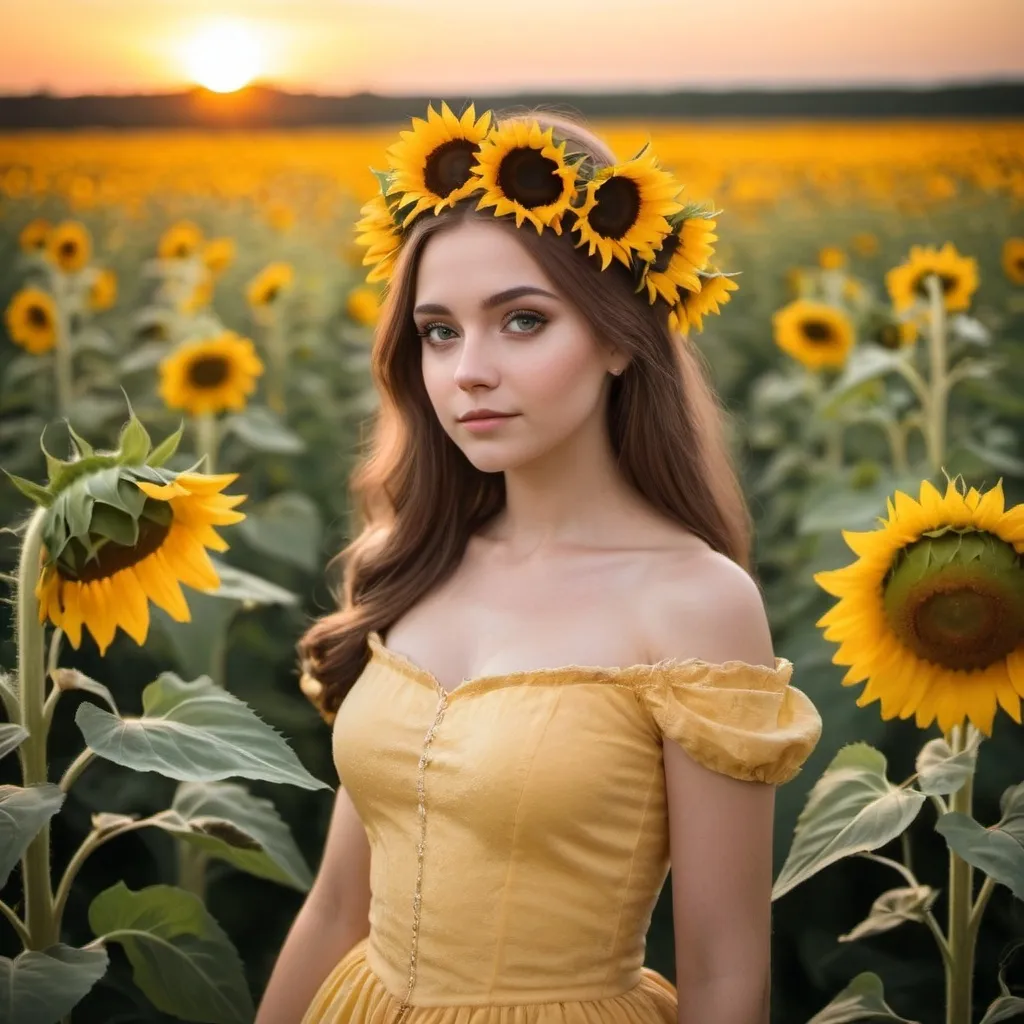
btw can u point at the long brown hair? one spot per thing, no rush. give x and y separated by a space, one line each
417 497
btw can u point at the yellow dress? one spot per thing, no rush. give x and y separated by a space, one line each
519 834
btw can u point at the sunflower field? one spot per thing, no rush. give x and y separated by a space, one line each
184 389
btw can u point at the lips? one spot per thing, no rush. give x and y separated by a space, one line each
485 414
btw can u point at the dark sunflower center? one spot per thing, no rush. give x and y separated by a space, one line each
152 332
114 557
818 332
528 178
663 257
37 317
448 167
270 293
889 336
948 282
958 600
181 250
208 372
68 249
616 209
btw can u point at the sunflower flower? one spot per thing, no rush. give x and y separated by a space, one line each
931 614
816 334
1013 259
626 209
33 236
219 254
32 320
957 274
102 291
69 246
521 171
432 163
680 259
180 241
270 284
376 230
692 307
831 257
210 375
363 306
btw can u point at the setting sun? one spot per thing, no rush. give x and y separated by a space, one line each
223 56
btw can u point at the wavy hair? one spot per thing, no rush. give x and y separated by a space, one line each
417 499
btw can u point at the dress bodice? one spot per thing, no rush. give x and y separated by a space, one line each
518 825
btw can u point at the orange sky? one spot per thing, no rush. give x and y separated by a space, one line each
435 46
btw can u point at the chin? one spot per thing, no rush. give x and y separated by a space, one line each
495 458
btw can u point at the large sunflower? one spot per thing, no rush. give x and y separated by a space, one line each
626 210
180 241
816 334
33 236
32 320
211 375
270 284
432 164
377 231
1013 259
521 171
957 274
677 264
141 550
694 306
931 615
69 246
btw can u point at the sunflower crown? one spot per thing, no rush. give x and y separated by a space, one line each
631 212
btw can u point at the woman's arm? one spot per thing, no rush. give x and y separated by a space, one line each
334 917
720 828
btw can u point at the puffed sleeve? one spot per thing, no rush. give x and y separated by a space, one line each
742 720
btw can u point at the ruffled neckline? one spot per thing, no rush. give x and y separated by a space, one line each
689 671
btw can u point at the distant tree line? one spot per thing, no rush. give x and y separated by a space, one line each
264 107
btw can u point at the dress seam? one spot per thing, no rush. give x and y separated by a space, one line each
651 786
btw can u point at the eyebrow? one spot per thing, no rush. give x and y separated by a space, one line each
495 300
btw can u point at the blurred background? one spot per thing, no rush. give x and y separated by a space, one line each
207 160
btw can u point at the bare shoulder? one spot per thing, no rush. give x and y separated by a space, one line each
699 603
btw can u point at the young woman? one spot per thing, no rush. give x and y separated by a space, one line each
551 677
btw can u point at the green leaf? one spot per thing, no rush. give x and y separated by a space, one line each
106 487
11 737
862 1000
228 822
891 909
261 429
939 771
42 986
180 957
85 450
853 808
115 525
34 492
166 448
997 850
866 362
23 812
1005 1006
193 732
134 444
288 527
250 590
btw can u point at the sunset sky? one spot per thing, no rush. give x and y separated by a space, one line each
393 46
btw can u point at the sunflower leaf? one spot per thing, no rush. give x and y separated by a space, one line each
72 679
12 736
83 448
42 986
853 808
33 491
193 732
166 448
23 812
261 429
1005 1006
133 444
114 525
180 957
862 1000
940 771
105 487
226 821
997 850
891 909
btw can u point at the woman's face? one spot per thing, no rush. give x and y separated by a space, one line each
496 333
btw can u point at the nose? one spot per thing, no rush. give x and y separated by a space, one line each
476 365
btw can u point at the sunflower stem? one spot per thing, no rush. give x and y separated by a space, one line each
938 373
207 439
277 356
73 770
62 346
16 922
979 906
192 870
961 937
35 863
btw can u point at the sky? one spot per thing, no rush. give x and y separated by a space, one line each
450 46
